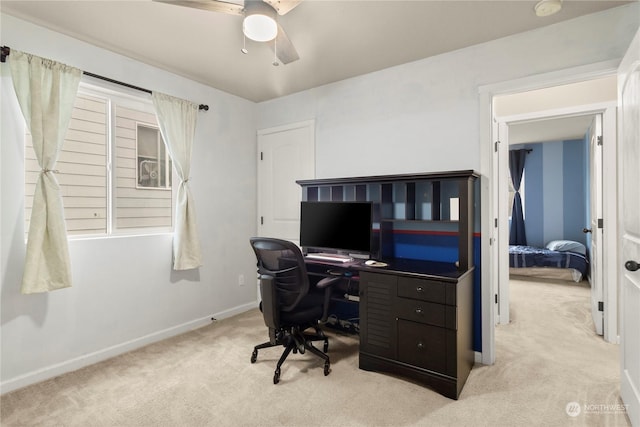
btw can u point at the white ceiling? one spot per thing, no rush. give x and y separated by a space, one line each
335 39
556 129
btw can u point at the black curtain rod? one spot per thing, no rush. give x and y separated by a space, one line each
5 51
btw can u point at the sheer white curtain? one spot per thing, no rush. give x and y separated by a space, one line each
177 120
46 91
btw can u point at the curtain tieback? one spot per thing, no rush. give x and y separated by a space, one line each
186 180
49 170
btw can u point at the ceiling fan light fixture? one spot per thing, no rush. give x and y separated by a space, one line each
260 22
548 7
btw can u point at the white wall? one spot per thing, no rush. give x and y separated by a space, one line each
423 116
124 292
581 93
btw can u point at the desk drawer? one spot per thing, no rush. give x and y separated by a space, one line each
421 311
421 345
422 289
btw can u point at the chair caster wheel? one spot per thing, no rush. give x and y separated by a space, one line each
254 356
327 368
325 348
276 376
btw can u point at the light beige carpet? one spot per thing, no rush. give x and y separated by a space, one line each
547 358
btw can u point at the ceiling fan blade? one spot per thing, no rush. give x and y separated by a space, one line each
285 51
282 6
211 5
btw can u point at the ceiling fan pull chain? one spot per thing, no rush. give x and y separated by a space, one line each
275 52
244 44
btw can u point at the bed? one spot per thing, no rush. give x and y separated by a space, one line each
560 259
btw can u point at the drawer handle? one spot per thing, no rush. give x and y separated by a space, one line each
421 346
419 310
419 289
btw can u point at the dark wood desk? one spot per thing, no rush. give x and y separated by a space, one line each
415 319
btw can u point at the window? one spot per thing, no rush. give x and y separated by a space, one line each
114 171
154 165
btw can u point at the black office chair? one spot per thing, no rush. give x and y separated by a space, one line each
290 305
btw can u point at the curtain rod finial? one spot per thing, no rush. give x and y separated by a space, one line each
4 52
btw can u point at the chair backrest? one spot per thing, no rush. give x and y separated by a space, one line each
283 261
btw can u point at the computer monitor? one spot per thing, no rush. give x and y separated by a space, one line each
339 226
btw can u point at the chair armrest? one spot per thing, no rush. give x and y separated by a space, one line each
269 296
328 281
326 284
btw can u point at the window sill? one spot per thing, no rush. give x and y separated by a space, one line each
119 236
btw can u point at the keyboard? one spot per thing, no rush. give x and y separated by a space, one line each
329 257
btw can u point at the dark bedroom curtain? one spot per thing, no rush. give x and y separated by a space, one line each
517 235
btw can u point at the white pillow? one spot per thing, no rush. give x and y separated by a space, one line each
567 246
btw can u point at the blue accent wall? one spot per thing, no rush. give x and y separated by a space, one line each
534 199
556 191
574 190
552 191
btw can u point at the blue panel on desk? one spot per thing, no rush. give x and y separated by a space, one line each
426 246
477 296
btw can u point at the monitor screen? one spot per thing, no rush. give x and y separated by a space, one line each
342 226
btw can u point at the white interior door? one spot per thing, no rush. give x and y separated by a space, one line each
629 196
285 154
595 226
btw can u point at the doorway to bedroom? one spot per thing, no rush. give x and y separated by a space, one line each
556 133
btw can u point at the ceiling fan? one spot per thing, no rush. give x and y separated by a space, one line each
259 24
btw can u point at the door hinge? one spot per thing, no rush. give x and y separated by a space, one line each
261 156
496 298
261 220
495 146
600 223
600 306
599 140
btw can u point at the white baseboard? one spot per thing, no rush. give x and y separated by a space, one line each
236 310
116 350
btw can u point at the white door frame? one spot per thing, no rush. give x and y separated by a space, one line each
489 229
596 213
609 211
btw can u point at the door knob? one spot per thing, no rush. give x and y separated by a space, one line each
586 230
631 265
